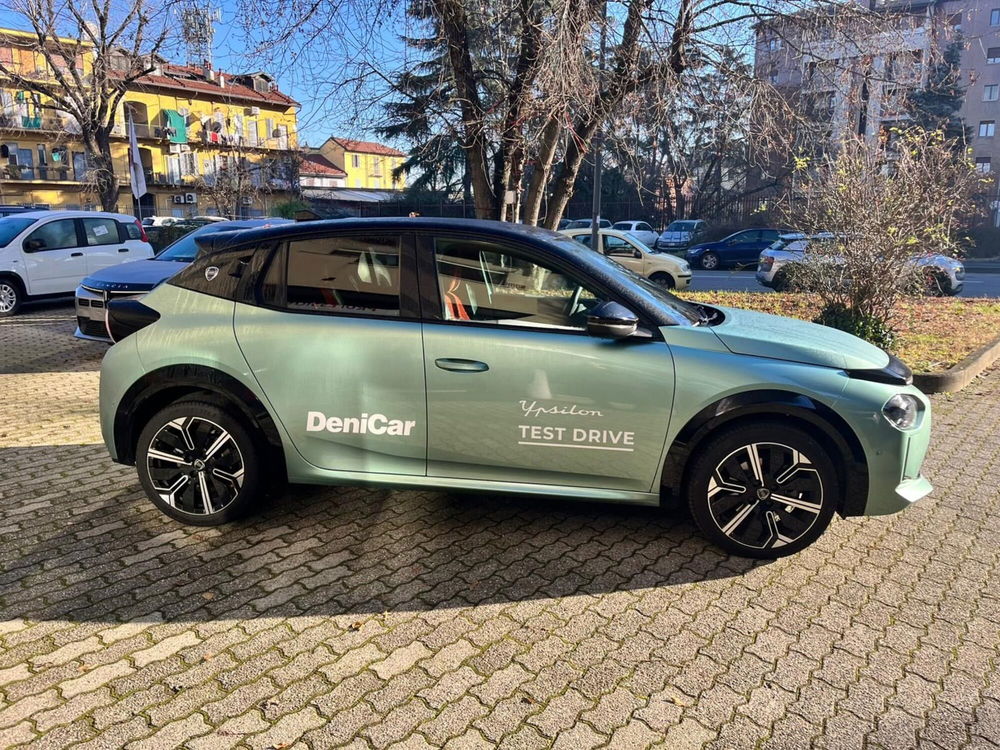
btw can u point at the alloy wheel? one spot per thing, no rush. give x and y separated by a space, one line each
8 297
709 261
195 466
765 495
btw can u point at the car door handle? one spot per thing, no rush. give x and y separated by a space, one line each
123 249
76 255
461 365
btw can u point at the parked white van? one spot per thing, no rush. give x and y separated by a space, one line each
47 253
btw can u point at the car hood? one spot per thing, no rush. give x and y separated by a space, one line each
135 276
762 335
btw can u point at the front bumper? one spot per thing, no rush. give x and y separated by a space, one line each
683 281
764 277
893 457
92 312
91 315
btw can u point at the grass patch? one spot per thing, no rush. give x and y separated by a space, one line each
934 334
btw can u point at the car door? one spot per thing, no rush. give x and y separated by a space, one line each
645 233
335 345
104 246
54 260
517 392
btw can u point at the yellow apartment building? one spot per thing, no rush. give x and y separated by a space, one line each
365 164
191 122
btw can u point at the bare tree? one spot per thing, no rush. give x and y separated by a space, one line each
881 206
93 50
238 181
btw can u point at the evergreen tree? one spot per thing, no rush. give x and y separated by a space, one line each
936 106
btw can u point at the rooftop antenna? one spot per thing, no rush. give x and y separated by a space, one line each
198 30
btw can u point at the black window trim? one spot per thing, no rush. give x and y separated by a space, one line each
430 293
409 303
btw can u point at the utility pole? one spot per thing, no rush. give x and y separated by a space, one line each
595 224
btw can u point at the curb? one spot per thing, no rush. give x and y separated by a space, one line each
961 374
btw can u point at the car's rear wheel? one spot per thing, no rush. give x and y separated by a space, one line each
762 490
199 464
709 261
936 284
663 279
11 296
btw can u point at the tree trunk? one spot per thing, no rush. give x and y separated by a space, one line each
576 150
455 28
543 167
105 180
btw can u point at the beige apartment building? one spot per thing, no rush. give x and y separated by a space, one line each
850 76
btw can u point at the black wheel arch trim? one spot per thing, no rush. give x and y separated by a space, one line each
831 429
161 387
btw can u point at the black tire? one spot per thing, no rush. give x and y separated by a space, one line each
936 284
710 261
780 282
735 477
663 279
230 476
11 296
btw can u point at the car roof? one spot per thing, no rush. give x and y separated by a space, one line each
305 229
72 215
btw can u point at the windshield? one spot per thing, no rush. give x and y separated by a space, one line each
691 313
11 226
681 226
579 224
185 249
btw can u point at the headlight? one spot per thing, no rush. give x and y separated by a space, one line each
901 410
685 268
765 262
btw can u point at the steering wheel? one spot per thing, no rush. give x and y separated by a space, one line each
574 301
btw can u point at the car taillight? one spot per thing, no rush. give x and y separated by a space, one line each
766 261
142 231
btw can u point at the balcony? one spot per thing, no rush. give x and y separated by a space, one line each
48 173
32 124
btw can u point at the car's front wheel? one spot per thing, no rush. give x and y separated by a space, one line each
663 279
762 490
709 261
11 297
199 464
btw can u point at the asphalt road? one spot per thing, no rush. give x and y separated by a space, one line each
976 284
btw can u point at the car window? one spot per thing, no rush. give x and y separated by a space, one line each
616 246
681 226
350 275
131 231
54 235
483 282
643 227
101 231
622 226
10 227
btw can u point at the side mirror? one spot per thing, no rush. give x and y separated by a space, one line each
637 254
35 244
609 320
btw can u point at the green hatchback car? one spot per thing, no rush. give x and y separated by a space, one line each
491 357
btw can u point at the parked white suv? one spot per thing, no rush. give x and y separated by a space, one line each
46 253
668 271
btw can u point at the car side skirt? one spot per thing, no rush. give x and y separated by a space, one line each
315 475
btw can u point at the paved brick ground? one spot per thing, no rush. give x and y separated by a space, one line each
348 617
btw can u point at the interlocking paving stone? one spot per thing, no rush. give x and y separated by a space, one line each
353 617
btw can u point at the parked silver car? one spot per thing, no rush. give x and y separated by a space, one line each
945 276
680 234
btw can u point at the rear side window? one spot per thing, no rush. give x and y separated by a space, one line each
130 231
624 226
101 232
218 274
344 275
